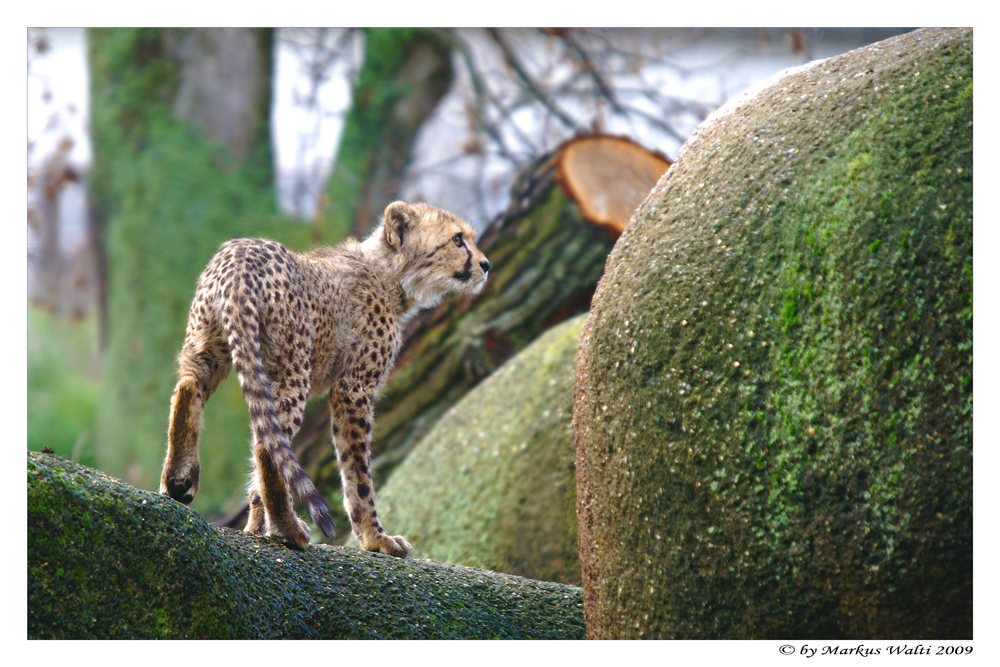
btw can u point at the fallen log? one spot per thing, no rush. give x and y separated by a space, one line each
108 561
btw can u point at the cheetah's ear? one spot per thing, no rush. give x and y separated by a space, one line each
398 216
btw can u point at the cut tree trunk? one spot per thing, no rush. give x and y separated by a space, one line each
608 177
547 251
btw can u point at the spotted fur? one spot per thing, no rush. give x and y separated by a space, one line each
327 321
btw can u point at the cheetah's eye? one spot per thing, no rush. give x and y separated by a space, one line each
457 240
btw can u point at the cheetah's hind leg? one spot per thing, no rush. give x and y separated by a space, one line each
201 368
273 513
181 468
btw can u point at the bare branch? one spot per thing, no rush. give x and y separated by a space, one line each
482 98
588 67
528 83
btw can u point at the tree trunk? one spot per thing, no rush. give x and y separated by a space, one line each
172 180
547 257
47 289
405 74
107 561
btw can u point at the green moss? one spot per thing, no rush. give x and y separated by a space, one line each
492 484
802 459
107 561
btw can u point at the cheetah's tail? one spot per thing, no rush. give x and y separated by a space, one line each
241 329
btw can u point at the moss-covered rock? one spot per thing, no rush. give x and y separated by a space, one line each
108 561
774 388
492 485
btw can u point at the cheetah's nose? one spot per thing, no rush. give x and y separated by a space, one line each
485 264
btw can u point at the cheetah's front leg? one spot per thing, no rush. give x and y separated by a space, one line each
351 420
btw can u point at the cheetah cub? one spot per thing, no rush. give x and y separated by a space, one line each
329 321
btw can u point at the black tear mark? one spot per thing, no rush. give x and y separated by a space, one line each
466 273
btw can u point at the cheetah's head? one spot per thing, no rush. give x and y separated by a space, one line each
435 251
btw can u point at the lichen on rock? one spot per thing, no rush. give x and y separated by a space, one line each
774 388
108 561
492 484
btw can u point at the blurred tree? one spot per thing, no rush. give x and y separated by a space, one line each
406 72
56 173
182 162
315 68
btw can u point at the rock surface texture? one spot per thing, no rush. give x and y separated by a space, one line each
774 388
492 485
108 561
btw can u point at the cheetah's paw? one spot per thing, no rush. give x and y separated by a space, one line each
180 484
295 538
393 545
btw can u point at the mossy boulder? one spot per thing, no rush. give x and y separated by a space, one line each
108 561
774 387
492 484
